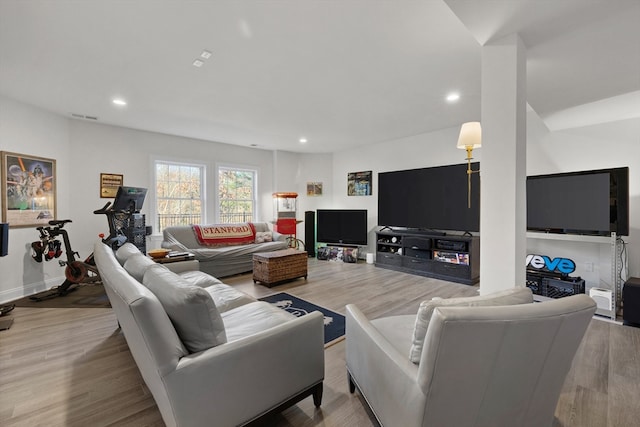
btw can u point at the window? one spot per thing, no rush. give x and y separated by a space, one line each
179 194
236 195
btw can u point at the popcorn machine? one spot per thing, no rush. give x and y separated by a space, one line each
285 208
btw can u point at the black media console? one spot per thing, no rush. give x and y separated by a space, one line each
453 258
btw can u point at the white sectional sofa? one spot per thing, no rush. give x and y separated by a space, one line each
210 355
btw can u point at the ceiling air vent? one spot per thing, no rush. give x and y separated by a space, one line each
82 116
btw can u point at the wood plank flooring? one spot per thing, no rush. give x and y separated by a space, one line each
72 366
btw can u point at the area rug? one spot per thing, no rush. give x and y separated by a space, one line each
333 322
82 296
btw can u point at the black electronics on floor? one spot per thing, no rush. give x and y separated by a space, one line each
310 233
631 302
551 285
4 239
136 231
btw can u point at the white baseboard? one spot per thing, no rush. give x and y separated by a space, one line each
26 290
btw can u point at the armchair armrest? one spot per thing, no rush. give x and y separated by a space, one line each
226 384
380 370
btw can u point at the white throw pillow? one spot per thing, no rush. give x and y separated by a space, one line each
137 264
263 236
125 251
190 308
520 295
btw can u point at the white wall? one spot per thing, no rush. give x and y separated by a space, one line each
547 152
425 150
585 149
34 132
83 150
130 153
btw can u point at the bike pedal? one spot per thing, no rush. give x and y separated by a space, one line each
58 248
37 251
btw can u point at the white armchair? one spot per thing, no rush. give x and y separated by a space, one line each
492 365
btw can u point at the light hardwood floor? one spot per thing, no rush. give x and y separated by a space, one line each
72 367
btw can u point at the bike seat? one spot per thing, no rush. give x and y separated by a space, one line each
60 222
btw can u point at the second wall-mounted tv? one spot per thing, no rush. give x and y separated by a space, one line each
432 198
342 226
592 202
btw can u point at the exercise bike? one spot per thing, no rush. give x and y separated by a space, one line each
75 272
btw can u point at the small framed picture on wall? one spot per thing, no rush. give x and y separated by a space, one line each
109 183
314 189
359 183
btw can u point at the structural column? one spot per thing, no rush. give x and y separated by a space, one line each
503 166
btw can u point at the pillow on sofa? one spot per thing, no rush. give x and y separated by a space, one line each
125 251
520 295
190 308
264 236
137 264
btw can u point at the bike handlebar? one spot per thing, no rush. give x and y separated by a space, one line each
103 210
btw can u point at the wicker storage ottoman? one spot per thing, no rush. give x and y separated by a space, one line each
275 267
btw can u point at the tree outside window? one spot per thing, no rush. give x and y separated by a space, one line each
236 195
178 194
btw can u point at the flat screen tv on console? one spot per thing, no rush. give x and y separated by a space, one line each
429 198
594 202
342 226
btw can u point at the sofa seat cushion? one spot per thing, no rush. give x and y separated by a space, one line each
190 308
398 330
249 319
227 298
512 296
225 252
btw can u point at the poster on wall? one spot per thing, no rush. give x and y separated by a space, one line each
359 183
314 189
28 190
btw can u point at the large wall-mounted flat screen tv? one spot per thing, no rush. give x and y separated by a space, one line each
432 198
342 226
594 202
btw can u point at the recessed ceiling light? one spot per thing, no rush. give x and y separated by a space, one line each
198 63
119 101
205 54
453 97
303 140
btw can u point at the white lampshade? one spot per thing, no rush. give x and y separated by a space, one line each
470 135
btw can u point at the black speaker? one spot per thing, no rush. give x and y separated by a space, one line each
310 233
4 238
631 302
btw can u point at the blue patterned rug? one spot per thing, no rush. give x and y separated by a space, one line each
333 322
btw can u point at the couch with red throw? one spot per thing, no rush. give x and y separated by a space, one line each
224 249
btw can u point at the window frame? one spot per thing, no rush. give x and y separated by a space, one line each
177 162
235 167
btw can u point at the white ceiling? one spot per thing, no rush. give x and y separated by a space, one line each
340 73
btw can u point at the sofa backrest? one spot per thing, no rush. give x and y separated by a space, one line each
182 237
492 358
151 337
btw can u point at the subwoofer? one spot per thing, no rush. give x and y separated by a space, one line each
4 238
631 302
310 233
